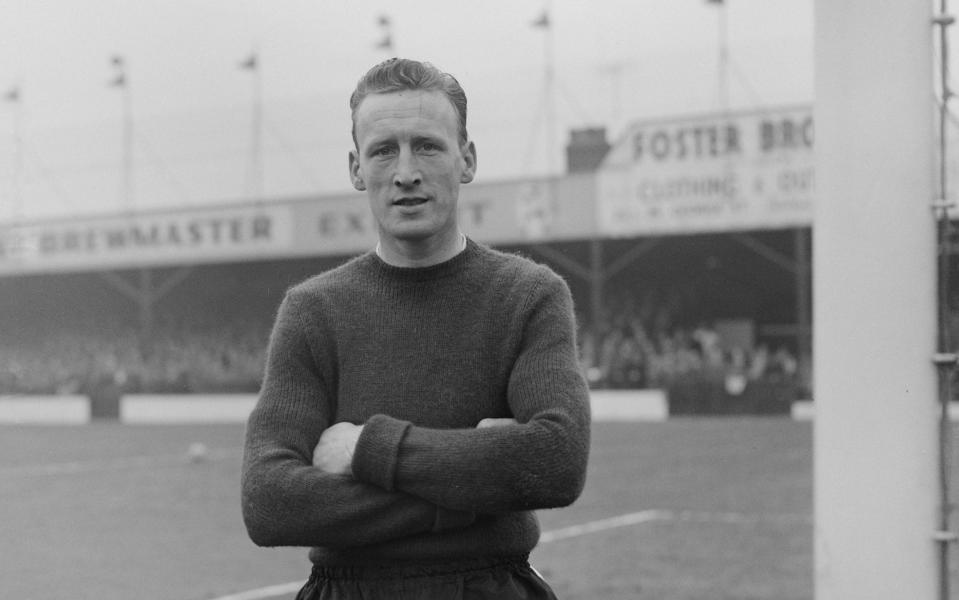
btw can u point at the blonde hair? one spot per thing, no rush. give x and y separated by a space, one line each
397 74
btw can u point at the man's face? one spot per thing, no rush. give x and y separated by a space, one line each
409 161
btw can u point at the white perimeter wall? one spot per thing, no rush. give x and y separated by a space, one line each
607 405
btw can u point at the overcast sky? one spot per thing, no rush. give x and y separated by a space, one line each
616 61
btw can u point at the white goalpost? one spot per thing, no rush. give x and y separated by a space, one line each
875 434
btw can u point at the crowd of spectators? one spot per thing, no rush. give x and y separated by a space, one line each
643 342
638 343
174 358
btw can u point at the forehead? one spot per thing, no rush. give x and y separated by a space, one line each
406 111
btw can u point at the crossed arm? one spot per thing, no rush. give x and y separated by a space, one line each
337 491
289 502
334 452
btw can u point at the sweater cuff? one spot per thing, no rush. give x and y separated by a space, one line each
377 451
452 519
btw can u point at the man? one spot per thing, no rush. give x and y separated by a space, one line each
420 401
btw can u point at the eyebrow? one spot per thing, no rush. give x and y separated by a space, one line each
389 140
419 139
379 142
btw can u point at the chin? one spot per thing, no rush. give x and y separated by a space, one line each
414 230
412 233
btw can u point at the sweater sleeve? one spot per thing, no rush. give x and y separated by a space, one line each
538 463
286 501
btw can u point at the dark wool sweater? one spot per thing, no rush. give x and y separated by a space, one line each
419 356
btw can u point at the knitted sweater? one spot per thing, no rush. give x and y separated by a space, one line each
419 356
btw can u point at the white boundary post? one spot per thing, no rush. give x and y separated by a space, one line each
874 301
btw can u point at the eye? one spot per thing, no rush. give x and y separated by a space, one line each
430 147
382 151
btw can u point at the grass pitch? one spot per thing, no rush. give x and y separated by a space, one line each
117 511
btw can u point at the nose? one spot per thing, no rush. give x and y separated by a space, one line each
407 171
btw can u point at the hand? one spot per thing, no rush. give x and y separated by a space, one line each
334 452
491 422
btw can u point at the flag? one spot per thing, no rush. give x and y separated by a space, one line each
12 95
119 65
250 63
542 21
386 43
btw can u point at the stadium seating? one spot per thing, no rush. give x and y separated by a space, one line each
637 344
183 358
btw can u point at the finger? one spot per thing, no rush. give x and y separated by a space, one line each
495 422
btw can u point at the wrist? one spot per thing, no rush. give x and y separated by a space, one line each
377 451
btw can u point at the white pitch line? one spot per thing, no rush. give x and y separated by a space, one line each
636 518
265 592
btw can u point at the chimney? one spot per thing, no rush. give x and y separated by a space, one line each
586 149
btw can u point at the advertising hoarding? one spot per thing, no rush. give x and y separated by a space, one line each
123 241
497 213
715 172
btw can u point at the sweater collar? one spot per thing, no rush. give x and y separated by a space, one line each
437 271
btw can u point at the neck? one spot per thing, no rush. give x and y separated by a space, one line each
399 254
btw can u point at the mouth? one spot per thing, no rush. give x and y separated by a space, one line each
410 201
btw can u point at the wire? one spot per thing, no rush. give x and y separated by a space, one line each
744 81
573 103
47 175
160 166
532 140
290 151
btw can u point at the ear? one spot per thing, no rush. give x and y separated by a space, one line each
355 175
469 160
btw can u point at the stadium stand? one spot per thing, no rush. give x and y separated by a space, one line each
69 335
710 305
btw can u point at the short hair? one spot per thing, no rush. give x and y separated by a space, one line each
397 74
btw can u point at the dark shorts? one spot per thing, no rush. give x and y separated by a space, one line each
500 579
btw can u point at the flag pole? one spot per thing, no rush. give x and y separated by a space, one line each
257 128
723 57
121 80
549 62
18 161
255 176
128 147
722 40
16 207
544 22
